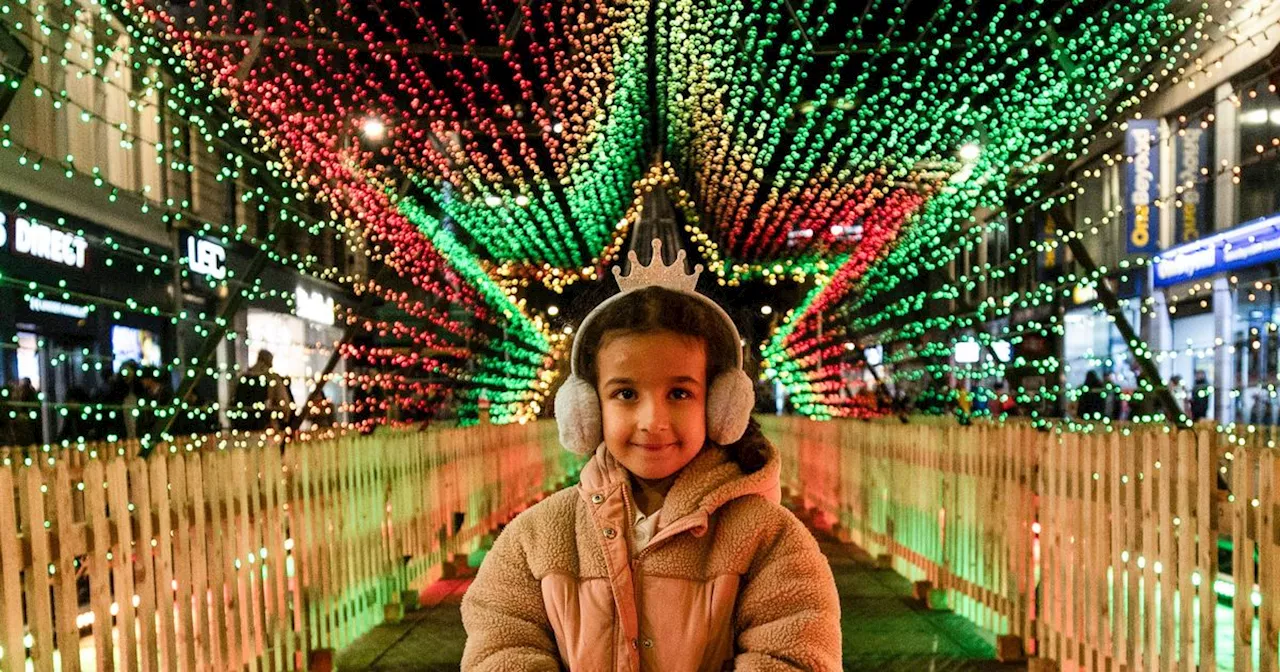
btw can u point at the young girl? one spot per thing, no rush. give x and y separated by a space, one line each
672 553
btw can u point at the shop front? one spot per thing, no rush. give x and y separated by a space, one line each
1223 297
302 334
75 311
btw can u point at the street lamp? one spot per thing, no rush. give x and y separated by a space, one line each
373 129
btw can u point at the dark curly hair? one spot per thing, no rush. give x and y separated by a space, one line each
655 309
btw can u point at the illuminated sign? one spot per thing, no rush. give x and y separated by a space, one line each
58 308
1143 182
206 257
313 306
968 352
1246 245
45 242
1192 158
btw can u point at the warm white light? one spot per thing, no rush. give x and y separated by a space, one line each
970 152
492 201
553 311
522 200
1254 117
766 310
374 129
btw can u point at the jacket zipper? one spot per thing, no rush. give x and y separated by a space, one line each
636 564
635 570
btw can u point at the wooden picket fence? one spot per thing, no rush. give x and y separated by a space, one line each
237 553
1097 550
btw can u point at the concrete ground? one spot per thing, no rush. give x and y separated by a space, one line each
884 629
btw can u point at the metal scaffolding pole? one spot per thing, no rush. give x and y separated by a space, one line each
1146 368
194 372
334 357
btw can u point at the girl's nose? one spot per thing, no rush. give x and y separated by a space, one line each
654 415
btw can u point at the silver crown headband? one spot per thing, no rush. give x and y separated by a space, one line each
657 274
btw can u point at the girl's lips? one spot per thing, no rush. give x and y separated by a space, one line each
653 446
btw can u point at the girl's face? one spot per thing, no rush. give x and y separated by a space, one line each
653 391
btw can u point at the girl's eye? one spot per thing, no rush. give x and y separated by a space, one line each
681 394
625 394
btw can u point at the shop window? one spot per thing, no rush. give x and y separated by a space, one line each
1091 342
29 358
1257 345
1259 125
1193 343
136 345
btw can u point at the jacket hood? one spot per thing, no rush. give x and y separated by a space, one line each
709 481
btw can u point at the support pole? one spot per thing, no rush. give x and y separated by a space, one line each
1146 368
193 373
334 357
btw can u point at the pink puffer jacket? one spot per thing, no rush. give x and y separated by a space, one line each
731 580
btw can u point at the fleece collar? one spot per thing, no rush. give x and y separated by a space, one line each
709 481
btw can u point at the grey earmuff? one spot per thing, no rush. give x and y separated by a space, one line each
730 396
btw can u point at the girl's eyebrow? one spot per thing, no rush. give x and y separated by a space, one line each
628 381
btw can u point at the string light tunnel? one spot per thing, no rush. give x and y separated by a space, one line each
481 151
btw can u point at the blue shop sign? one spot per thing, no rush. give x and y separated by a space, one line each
1247 245
1142 186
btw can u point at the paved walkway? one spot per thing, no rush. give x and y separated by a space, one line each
883 628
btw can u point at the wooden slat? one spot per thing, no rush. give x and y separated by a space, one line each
1094 638
331 519
143 558
223 620
252 529
1206 544
241 536
203 557
95 481
1266 562
1185 490
1242 557
1119 516
11 621
39 606
1071 546
274 540
122 563
1166 579
298 529
184 632
64 578
163 562
1049 634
